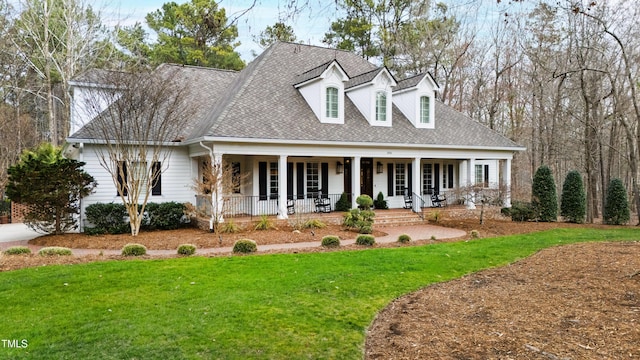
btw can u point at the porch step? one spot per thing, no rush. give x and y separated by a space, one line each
397 217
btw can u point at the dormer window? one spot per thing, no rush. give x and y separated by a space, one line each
425 110
381 106
332 102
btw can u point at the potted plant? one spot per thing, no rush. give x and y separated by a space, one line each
380 203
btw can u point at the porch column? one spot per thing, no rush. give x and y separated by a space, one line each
506 182
217 200
282 187
355 181
417 184
471 178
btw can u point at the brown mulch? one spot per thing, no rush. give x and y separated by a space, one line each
574 302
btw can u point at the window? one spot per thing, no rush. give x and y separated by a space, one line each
427 178
312 180
273 180
332 102
482 175
447 176
137 176
424 110
381 106
400 179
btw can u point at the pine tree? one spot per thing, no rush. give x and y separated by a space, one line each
544 197
616 207
573 205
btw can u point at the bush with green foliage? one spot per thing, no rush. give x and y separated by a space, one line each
134 250
55 251
343 203
106 219
364 201
573 203
164 216
404 238
330 241
228 227
245 246
264 223
186 249
366 240
51 186
17 250
475 234
362 220
314 224
616 207
544 198
380 203
5 207
521 211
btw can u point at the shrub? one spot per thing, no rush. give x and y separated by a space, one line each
186 249
366 240
380 202
343 204
106 219
314 224
362 220
616 207
264 223
164 216
55 251
330 241
228 227
475 234
544 199
17 250
573 204
404 238
364 201
521 211
433 237
134 250
436 216
245 246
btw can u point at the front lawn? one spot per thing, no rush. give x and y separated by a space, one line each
286 306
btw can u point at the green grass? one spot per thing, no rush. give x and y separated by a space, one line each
288 306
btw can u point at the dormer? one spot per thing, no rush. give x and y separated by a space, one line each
323 89
371 92
415 97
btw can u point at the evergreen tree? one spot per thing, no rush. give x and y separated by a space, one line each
616 207
544 197
573 205
51 186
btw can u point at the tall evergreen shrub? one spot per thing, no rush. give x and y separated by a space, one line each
616 207
573 204
544 198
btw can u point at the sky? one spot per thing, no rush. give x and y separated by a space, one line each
309 26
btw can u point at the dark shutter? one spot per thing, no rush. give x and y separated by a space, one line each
156 170
390 180
324 169
410 178
486 175
289 180
436 178
300 180
262 180
122 178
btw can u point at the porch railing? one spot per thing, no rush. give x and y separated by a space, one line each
417 199
254 206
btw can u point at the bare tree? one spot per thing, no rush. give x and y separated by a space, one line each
135 135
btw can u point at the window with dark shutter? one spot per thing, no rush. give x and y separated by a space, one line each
390 178
300 180
324 170
262 180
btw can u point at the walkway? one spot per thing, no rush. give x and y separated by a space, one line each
19 235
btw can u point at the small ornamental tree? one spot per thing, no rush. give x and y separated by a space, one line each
616 207
544 198
51 186
573 204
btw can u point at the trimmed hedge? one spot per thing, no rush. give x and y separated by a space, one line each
186 249
245 246
330 241
404 238
111 218
134 250
55 251
366 240
17 250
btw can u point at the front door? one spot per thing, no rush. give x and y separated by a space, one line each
366 176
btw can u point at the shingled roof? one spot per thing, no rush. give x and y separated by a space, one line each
261 102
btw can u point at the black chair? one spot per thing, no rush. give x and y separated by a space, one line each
408 199
437 200
323 204
291 207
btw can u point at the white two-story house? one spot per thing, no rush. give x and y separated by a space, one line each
304 121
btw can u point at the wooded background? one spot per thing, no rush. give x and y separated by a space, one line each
559 77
